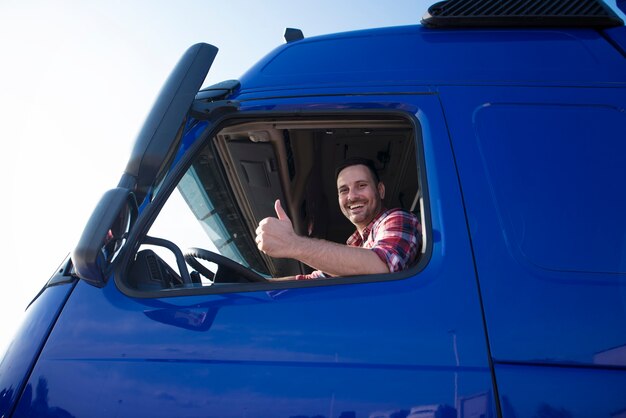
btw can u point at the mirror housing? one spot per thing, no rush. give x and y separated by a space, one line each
103 235
159 138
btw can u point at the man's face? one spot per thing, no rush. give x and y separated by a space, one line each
360 198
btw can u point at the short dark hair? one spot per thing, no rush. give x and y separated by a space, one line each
358 161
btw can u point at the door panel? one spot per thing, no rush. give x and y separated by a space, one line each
561 392
369 349
542 176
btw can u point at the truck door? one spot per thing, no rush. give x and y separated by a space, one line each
381 345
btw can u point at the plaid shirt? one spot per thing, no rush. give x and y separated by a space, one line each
394 235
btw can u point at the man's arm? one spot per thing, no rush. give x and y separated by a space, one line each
276 238
337 259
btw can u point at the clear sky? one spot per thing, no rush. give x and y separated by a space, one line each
76 80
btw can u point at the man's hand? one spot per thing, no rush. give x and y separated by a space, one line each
275 236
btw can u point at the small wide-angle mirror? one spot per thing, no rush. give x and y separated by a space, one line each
104 235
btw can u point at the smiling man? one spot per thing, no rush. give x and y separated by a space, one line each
385 240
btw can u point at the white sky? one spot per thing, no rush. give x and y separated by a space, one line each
76 81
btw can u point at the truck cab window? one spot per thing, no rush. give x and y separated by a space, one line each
238 175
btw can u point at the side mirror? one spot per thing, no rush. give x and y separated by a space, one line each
159 138
104 235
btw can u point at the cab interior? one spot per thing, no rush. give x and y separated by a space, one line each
246 166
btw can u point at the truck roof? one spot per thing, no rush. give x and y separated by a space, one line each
418 55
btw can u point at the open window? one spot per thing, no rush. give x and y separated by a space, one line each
237 175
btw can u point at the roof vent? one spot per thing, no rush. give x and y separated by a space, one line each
520 13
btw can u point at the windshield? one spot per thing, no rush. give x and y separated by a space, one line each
201 213
205 193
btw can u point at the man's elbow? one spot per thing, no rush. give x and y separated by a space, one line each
378 266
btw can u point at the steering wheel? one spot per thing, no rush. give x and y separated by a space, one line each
224 263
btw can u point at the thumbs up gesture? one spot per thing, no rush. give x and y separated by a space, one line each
275 236
280 212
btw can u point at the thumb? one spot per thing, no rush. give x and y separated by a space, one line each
280 211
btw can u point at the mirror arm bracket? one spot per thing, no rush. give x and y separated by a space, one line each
207 110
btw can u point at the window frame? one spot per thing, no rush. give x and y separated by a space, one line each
171 180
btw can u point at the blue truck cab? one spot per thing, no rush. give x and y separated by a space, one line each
501 125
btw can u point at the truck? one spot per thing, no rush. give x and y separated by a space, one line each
500 124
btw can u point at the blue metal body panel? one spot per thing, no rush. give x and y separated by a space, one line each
519 311
548 237
531 391
27 343
414 54
542 174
